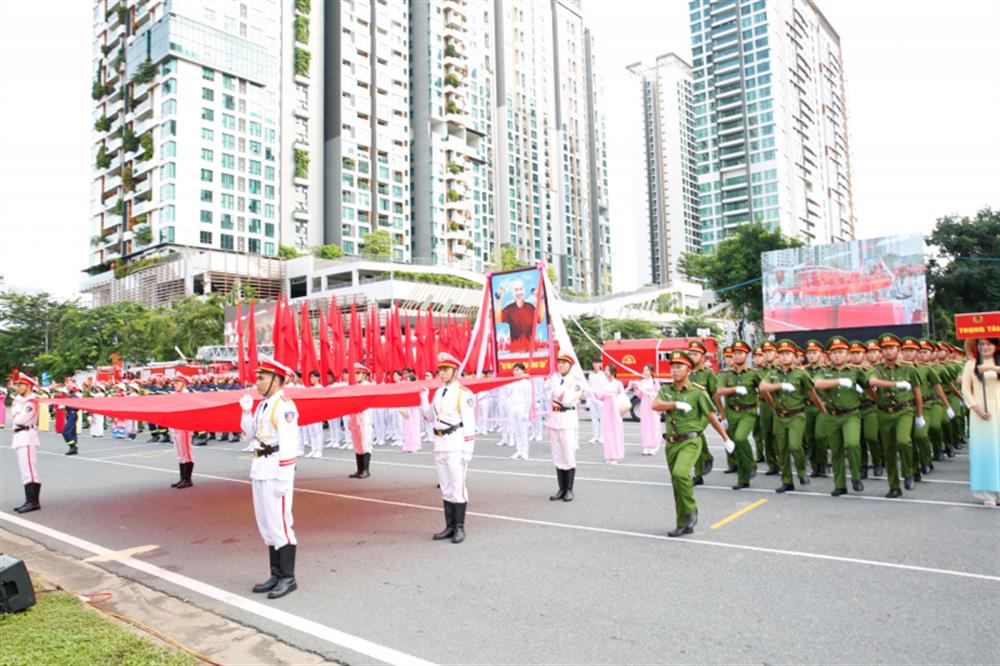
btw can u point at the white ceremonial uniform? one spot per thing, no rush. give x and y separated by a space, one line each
564 426
24 418
542 401
453 405
312 436
96 420
274 422
597 383
360 426
518 409
182 443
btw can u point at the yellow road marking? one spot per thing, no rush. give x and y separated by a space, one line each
121 554
746 509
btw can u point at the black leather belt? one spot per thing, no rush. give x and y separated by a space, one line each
22 428
736 407
932 399
866 404
785 413
897 407
556 407
441 432
682 437
265 450
833 411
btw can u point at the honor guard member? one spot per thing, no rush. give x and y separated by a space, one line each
360 426
936 408
815 447
871 450
274 426
898 399
454 415
870 427
843 389
688 411
24 416
563 425
738 386
704 378
182 440
790 387
770 361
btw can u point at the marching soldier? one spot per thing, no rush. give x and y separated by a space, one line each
704 378
770 443
564 427
937 411
898 397
739 387
24 417
790 387
688 411
182 441
274 426
454 415
360 426
843 386
815 446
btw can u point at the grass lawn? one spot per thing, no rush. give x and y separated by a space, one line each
60 629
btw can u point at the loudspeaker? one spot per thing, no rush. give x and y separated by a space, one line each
16 592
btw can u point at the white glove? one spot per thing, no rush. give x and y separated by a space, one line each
787 388
683 406
424 395
758 410
729 446
845 382
246 402
962 402
725 424
741 390
951 413
860 390
906 386
920 422
282 488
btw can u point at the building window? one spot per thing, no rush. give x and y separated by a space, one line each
269 230
228 141
255 167
169 170
206 237
227 181
268 173
254 227
168 149
254 186
269 211
226 241
255 129
226 221
206 216
167 192
206 195
227 201
229 102
228 82
228 121
207 134
254 206
269 249
207 155
169 107
208 94
206 73
167 214
207 114
253 245
255 147
206 175
167 235
228 161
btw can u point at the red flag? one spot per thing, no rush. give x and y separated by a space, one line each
289 353
307 348
355 349
338 352
276 329
408 360
241 359
251 346
325 361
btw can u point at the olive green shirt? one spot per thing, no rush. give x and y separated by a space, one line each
887 397
679 422
748 378
798 378
841 398
705 378
928 379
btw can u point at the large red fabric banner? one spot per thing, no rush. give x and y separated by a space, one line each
219 411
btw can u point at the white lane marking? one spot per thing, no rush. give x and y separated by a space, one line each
323 632
600 530
121 554
634 482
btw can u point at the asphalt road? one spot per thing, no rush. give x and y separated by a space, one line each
801 578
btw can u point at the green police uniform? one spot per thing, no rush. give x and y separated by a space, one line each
705 379
683 437
871 445
814 446
895 420
790 420
841 426
927 440
741 417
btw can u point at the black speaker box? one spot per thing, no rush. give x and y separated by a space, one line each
16 593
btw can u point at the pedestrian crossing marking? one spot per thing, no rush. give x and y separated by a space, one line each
734 516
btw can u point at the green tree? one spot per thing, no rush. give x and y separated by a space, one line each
737 261
287 252
329 251
103 158
28 328
301 163
964 274
506 259
688 327
102 124
143 235
145 73
146 142
627 329
302 29
377 243
302 60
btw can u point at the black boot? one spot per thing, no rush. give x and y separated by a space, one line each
857 485
561 475
211 435
224 437
269 584
186 475
367 460
459 535
359 460
449 523
908 483
286 584
72 451
878 470
155 436
30 499
180 467
165 437
570 476
686 528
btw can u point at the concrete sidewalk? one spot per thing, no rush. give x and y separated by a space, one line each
220 639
